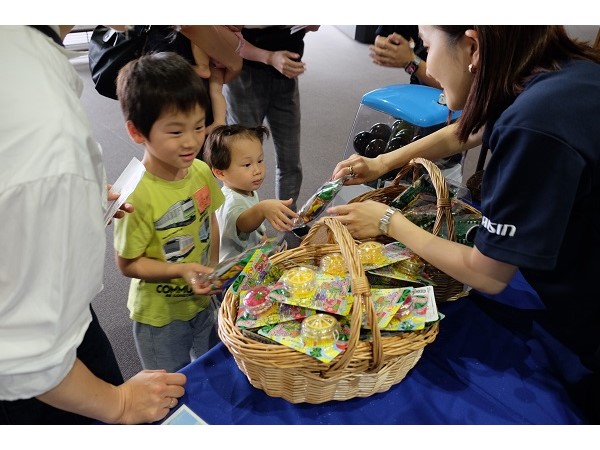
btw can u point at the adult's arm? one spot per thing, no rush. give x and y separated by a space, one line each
213 42
146 397
438 145
463 263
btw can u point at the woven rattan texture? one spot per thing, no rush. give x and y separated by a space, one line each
363 369
446 288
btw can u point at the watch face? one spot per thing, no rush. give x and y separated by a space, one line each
411 68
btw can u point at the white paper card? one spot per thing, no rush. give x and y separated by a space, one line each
125 185
184 416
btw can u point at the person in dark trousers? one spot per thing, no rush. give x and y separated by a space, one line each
267 89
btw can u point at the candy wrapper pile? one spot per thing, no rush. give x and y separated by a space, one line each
307 307
418 204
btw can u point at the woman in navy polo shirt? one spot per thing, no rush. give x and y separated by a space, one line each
532 95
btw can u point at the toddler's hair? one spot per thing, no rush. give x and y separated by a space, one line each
217 150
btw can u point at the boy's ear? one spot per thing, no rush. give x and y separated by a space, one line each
218 173
135 134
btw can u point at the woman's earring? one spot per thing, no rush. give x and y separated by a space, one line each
472 69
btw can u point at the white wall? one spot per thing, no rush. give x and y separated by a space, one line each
583 32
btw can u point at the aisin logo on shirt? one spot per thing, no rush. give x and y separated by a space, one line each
501 229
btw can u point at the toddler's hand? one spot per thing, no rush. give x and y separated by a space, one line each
278 214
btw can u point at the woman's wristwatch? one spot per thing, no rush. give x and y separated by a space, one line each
384 222
413 65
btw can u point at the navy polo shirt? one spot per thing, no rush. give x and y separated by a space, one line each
541 198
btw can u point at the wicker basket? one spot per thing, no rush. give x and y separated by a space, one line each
363 369
446 288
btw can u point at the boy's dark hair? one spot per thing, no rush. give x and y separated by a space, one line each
217 150
156 82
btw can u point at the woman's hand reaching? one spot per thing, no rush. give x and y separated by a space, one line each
361 169
361 218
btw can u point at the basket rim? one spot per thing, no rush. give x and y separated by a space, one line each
375 352
443 207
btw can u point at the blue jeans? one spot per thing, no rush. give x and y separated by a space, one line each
261 93
175 345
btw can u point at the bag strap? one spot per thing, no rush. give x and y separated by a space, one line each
142 31
49 31
138 30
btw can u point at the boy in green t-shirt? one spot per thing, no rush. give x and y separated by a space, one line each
172 235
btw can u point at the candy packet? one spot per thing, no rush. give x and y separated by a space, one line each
289 334
317 203
226 271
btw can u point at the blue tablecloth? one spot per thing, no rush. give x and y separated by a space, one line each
490 364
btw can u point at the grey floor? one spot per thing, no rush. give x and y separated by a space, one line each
339 72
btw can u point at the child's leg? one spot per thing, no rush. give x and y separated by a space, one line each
165 347
205 332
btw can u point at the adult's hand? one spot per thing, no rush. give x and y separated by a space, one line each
287 63
144 398
364 169
391 51
360 218
149 395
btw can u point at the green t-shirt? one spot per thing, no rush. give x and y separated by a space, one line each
170 222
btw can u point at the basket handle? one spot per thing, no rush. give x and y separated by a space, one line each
444 203
361 290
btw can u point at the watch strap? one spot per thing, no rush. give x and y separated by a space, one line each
384 222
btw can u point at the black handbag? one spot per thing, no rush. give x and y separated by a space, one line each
109 51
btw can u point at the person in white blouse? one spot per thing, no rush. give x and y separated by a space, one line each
56 363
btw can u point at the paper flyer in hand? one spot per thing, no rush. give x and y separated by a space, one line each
124 185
